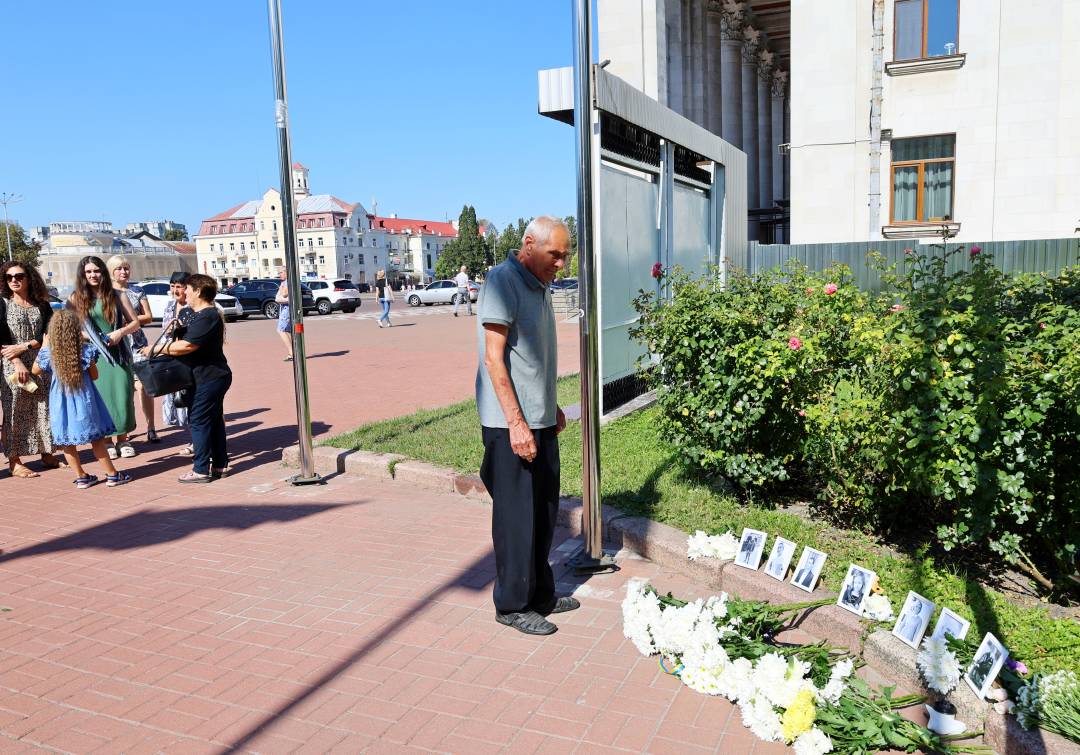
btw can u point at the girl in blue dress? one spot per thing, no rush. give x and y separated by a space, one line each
77 413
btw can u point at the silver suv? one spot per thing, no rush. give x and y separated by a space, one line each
331 296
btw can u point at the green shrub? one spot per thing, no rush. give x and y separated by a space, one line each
949 400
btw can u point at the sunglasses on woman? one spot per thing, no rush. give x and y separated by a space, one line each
15 276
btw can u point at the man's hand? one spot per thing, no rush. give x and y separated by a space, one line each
521 440
560 420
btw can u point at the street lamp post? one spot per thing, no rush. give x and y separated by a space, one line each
6 199
307 475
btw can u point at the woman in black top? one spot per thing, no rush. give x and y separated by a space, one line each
200 345
385 296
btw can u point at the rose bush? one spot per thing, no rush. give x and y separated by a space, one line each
947 403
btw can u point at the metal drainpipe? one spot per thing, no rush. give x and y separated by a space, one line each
874 193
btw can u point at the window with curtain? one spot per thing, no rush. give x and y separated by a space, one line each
922 178
925 28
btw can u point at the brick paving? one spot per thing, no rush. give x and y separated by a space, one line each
249 615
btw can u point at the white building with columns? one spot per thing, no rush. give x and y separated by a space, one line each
874 119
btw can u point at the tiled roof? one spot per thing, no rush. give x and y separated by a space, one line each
315 203
182 247
400 225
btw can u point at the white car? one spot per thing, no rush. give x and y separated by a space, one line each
336 295
157 295
439 292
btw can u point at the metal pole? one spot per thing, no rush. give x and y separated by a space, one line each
307 474
591 558
7 199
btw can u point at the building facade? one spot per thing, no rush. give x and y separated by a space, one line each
335 239
156 228
874 119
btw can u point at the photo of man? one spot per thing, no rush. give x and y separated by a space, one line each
750 549
914 618
780 558
809 569
984 669
950 624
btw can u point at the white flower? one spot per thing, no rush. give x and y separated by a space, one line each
736 681
759 716
641 613
878 608
702 545
938 665
832 691
703 669
813 742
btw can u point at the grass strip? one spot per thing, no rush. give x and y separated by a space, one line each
640 476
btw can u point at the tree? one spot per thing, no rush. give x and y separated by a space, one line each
175 234
571 269
467 249
25 250
510 239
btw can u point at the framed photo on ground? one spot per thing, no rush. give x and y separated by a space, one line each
914 619
950 623
811 562
780 558
989 659
751 547
856 589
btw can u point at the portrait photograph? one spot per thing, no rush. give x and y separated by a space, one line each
856 589
951 624
986 664
751 548
914 619
811 562
780 558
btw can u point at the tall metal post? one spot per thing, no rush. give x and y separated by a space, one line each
592 558
7 199
307 474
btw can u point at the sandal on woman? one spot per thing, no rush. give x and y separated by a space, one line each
22 471
52 462
114 452
152 436
82 483
188 450
114 480
194 477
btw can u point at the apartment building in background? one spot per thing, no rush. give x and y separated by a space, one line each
878 118
335 239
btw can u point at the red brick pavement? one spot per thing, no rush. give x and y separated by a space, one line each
356 616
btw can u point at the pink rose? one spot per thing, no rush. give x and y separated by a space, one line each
975 250
909 250
794 343
809 290
1042 326
830 289
658 271
802 412
896 308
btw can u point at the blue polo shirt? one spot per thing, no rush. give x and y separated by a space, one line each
514 297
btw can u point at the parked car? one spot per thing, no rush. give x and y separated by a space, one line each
336 295
564 284
157 295
257 297
439 292
55 302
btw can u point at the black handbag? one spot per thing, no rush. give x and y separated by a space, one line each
162 374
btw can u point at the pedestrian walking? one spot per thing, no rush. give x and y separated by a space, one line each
77 413
174 409
284 317
24 319
462 280
520 420
385 295
107 319
120 272
200 345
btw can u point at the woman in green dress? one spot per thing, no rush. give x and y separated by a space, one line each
110 318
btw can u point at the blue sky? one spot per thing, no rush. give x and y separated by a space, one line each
129 110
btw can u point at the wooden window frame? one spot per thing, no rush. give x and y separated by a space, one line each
925 31
920 207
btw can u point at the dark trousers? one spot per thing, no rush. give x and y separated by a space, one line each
525 502
206 418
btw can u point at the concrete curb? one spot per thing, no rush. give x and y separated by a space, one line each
666 545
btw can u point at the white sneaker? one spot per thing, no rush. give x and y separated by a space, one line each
113 453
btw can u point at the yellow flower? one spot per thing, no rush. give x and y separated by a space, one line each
686 412
712 412
799 717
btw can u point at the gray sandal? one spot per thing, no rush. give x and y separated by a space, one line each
527 622
562 605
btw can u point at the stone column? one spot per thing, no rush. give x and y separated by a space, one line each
779 82
731 28
699 59
766 147
713 79
750 145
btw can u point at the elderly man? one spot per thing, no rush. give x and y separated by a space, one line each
520 419
463 295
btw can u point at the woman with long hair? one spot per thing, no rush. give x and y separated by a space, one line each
24 317
120 272
109 319
385 294
200 345
284 318
177 313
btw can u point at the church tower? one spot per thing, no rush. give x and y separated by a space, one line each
300 181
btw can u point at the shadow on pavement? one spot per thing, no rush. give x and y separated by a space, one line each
153 527
231 416
341 353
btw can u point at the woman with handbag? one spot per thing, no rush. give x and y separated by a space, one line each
107 320
120 272
284 317
24 317
385 295
174 411
200 345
